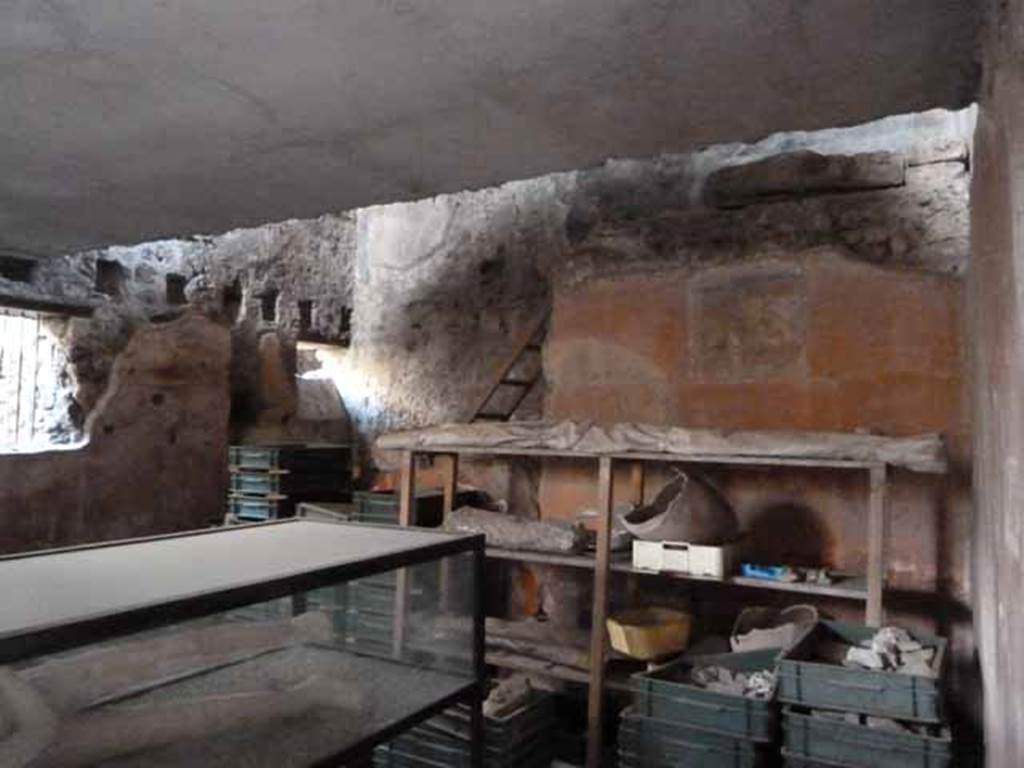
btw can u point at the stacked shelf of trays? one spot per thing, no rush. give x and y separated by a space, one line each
840 717
268 481
522 738
367 606
674 721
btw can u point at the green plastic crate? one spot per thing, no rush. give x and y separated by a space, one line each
797 761
313 458
246 509
668 694
838 741
645 741
372 600
807 681
256 483
309 487
520 739
381 507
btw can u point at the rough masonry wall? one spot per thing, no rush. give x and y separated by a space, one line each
442 288
252 280
441 285
439 290
230 352
996 318
149 466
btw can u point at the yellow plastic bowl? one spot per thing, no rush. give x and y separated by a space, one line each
650 633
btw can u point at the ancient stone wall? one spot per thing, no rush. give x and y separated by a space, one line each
121 299
431 296
782 314
290 279
442 285
153 461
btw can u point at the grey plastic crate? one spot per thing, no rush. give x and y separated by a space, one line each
372 600
668 694
309 487
381 507
645 741
798 761
254 509
256 483
805 679
520 739
316 458
838 741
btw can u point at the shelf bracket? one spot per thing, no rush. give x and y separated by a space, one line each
598 641
878 500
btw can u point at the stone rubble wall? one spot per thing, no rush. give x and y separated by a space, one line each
436 292
154 460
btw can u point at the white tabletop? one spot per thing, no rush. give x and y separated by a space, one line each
64 587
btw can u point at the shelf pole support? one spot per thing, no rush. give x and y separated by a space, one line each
598 634
407 489
637 481
451 482
478 725
877 508
406 517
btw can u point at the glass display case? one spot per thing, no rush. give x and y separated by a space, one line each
291 643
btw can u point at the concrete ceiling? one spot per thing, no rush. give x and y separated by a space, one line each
128 120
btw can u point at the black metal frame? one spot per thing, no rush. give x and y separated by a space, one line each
15 646
477 725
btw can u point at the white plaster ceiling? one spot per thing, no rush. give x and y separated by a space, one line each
128 120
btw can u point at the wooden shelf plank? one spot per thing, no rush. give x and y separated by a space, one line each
549 558
554 671
847 587
867 590
668 458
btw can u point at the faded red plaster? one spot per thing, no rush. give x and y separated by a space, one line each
813 341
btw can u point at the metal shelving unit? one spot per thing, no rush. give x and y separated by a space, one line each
60 600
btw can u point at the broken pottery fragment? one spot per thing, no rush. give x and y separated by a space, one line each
689 509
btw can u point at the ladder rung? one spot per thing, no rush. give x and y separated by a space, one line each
492 416
533 347
517 382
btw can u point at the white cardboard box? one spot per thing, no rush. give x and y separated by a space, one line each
688 559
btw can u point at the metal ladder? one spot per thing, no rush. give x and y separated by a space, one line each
489 408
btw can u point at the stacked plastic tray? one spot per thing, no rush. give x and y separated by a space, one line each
819 734
520 739
267 481
675 722
370 602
